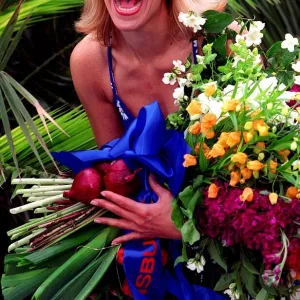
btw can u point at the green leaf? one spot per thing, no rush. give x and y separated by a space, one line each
190 234
203 162
177 216
197 182
248 279
217 22
233 118
249 266
224 282
220 45
215 254
262 295
194 201
186 195
75 264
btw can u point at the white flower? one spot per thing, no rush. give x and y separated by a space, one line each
297 80
253 37
230 294
296 165
178 66
239 39
195 264
296 66
189 78
257 25
178 93
182 82
289 43
192 20
169 78
200 59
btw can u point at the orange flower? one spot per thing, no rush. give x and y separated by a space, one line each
205 149
230 105
195 128
292 192
194 108
247 195
216 151
246 174
273 166
189 160
259 147
213 191
255 165
258 122
284 154
208 133
235 178
209 120
210 89
263 130
223 139
234 139
273 197
240 158
248 136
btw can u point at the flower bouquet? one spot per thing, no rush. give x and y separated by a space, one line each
236 134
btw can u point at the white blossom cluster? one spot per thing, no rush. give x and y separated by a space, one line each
196 264
192 19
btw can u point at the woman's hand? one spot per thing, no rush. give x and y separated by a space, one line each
147 221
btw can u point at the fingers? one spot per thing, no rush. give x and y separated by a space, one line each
119 223
117 210
156 187
129 237
122 201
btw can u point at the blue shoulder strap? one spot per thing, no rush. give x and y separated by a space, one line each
195 50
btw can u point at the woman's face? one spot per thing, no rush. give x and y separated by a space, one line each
133 14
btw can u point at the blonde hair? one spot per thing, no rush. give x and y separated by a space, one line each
96 19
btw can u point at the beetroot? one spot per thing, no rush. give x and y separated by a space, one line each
87 186
120 180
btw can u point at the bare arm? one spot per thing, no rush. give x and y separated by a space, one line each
90 75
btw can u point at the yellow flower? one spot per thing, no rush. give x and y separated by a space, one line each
230 105
246 174
240 158
235 178
208 121
247 195
257 123
216 151
205 150
284 154
189 160
273 197
234 139
194 108
259 147
292 192
248 126
248 136
210 88
273 166
263 130
195 128
255 165
213 191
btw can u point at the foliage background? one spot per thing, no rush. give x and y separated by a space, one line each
41 64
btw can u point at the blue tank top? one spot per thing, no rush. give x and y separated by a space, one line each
125 115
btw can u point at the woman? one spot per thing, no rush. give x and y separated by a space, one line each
130 44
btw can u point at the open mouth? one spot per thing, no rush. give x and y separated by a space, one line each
128 7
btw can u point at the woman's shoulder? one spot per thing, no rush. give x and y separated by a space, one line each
88 57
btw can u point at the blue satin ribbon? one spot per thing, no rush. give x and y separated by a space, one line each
149 145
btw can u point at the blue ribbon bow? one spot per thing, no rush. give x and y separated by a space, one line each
147 144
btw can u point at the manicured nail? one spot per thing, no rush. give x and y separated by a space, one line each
103 194
114 243
94 202
97 221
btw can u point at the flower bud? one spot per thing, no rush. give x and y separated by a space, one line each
269 106
296 139
248 125
256 174
294 146
285 111
261 156
274 129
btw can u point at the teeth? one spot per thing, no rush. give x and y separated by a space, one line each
128 9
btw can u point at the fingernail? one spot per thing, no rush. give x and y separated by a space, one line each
97 221
103 194
94 202
113 243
